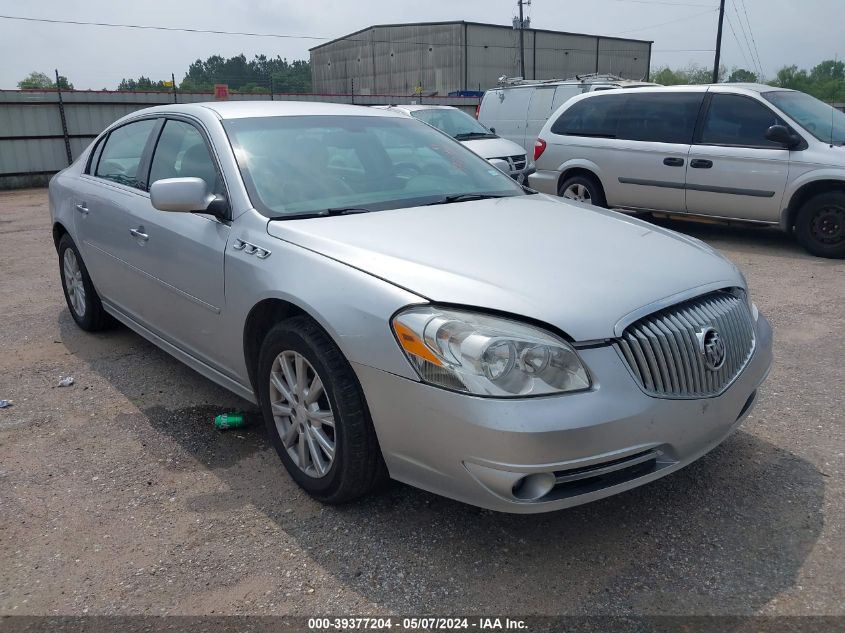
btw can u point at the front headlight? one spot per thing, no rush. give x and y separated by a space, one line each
486 355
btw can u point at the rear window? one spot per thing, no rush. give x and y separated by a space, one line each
595 117
662 117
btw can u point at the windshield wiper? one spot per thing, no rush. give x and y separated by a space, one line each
464 197
466 135
322 213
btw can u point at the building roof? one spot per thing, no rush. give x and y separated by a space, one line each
452 22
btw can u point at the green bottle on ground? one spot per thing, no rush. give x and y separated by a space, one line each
229 421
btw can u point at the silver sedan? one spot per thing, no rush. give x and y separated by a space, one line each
400 308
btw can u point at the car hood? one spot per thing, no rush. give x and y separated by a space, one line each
581 269
494 147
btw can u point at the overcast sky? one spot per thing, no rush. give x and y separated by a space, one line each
786 31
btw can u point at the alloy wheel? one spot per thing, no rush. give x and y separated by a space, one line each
302 413
73 282
578 192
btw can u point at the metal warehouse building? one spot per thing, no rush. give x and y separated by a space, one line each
444 57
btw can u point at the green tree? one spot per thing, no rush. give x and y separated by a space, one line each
36 79
692 74
825 81
242 75
742 76
143 83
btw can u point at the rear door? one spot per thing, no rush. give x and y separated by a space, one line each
653 139
177 258
734 171
112 184
506 110
539 111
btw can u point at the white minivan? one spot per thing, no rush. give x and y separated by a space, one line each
746 152
518 110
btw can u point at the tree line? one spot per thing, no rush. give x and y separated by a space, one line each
825 81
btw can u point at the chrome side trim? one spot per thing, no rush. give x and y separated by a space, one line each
191 361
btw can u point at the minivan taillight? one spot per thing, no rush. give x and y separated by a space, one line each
477 110
539 148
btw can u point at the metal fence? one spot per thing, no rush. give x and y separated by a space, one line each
43 131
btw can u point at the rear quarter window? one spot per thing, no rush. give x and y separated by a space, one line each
594 117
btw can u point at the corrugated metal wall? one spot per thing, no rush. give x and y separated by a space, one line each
32 141
397 58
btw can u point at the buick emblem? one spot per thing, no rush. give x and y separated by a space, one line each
712 348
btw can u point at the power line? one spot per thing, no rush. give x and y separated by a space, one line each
652 26
738 43
315 37
753 41
745 36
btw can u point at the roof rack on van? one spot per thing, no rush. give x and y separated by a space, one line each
586 78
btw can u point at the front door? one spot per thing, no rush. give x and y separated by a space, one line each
734 171
178 257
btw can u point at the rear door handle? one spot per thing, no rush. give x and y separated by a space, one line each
82 208
139 233
673 162
700 163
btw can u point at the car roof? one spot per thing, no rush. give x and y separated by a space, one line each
251 109
417 107
736 88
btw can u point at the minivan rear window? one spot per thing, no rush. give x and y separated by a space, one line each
594 117
661 117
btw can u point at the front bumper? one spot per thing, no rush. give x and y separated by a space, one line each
593 444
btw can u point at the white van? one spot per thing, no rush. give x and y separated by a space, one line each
517 110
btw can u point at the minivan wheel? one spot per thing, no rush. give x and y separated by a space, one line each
820 225
315 413
82 299
583 188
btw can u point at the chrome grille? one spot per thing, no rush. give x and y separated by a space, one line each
516 163
662 349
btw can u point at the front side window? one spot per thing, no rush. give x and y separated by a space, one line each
821 120
738 121
120 159
661 117
181 152
453 122
294 165
596 117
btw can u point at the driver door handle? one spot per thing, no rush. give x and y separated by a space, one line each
700 163
82 208
139 234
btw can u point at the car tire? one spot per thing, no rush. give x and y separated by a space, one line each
82 299
299 431
583 188
820 225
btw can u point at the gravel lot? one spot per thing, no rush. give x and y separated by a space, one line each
117 496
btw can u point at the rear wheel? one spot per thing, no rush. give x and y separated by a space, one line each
820 225
315 413
82 299
583 188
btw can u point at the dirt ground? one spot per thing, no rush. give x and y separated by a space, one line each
117 496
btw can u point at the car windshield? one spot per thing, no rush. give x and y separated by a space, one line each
295 165
454 122
824 122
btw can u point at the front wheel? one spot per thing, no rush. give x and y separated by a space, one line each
820 226
582 188
315 413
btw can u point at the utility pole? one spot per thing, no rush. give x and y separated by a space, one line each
522 38
719 42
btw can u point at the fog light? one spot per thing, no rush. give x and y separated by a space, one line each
534 487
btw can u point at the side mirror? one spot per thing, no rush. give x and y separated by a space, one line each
492 129
501 165
781 134
181 195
